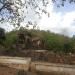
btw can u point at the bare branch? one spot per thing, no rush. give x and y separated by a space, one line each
21 9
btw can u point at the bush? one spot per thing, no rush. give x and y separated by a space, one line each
11 38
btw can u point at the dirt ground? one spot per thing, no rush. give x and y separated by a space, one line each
41 56
4 70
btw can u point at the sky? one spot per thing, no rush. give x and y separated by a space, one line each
61 20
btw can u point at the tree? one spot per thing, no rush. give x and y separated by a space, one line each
2 35
18 10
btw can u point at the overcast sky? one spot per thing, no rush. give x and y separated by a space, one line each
61 20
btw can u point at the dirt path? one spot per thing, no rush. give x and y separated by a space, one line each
25 63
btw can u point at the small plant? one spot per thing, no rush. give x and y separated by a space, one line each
21 72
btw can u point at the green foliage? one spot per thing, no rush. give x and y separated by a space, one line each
52 42
11 38
57 43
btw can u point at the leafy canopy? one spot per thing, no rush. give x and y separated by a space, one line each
15 11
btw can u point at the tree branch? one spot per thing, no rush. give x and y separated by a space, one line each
6 5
